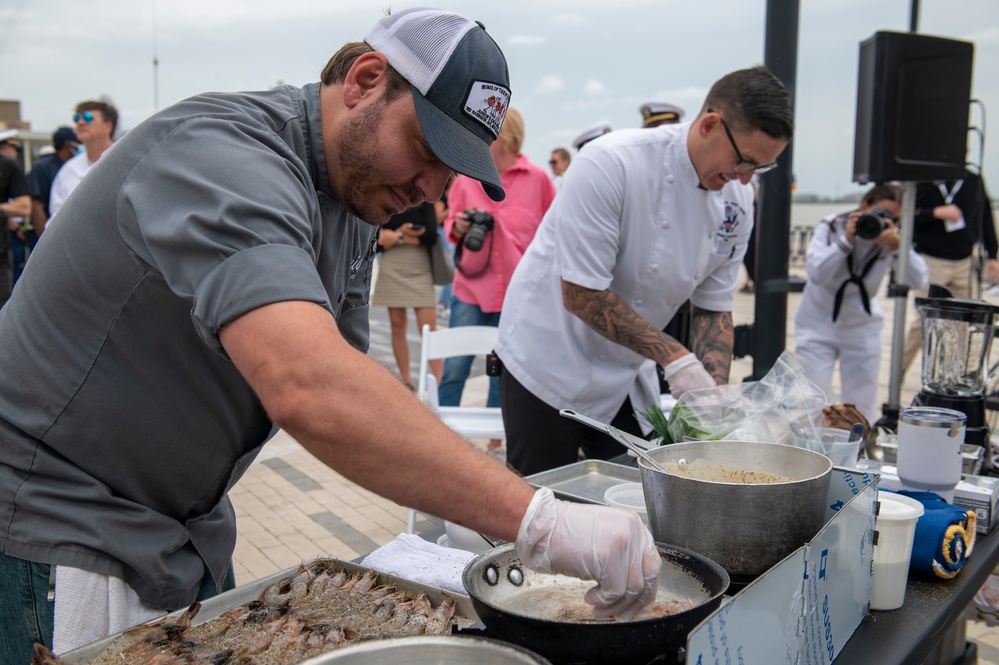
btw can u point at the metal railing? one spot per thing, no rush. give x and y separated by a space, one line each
801 235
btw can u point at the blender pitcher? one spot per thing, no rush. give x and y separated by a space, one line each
956 338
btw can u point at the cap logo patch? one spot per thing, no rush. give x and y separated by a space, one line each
487 103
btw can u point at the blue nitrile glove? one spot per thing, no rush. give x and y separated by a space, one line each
945 536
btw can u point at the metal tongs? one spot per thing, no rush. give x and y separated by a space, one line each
629 441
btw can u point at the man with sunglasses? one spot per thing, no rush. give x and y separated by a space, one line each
95 126
645 219
559 162
839 315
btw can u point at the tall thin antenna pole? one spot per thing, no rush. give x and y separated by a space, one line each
156 65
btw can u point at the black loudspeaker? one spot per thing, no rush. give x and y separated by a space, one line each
913 93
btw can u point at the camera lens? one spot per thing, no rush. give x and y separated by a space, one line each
475 236
870 226
480 224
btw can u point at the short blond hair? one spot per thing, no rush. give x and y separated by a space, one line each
512 132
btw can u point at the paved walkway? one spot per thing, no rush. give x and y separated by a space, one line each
291 508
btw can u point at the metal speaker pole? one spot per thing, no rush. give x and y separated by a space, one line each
900 292
773 221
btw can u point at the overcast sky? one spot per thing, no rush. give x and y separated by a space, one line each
572 64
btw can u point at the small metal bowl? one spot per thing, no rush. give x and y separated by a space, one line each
430 650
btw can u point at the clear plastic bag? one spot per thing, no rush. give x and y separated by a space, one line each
768 410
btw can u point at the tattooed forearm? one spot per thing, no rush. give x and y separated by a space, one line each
712 339
612 317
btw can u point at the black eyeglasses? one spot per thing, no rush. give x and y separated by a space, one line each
86 116
552 162
744 165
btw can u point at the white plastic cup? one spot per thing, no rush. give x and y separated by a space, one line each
930 440
896 527
629 496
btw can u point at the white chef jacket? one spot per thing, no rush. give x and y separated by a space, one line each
629 217
825 265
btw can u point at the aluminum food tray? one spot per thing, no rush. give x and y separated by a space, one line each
464 613
585 481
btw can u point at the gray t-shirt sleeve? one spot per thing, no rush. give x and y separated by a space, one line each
227 214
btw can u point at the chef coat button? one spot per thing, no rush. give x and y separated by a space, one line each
654 267
665 225
638 302
669 178
697 276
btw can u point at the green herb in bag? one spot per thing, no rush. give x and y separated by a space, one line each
682 423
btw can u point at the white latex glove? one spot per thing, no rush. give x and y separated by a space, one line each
608 545
687 373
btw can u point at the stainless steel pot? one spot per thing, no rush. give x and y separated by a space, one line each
746 527
532 609
430 650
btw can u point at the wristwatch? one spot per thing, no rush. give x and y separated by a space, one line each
402 238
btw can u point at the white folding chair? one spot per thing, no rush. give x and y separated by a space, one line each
471 422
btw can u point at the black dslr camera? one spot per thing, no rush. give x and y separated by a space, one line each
871 223
481 224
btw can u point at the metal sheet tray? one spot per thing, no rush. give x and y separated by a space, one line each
464 613
585 481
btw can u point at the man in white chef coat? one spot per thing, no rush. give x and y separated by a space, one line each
646 219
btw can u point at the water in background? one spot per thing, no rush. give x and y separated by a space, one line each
810 214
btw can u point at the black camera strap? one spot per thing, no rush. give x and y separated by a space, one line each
858 279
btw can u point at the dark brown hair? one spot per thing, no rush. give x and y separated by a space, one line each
883 192
753 99
108 112
336 69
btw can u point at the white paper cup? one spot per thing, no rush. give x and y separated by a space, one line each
629 496
930 440
896 527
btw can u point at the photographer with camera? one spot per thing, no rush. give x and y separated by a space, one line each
839 316
492 236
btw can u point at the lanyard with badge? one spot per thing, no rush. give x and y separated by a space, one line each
952 225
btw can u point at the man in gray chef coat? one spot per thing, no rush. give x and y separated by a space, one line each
208 284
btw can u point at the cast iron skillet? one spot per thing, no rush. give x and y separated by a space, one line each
529 608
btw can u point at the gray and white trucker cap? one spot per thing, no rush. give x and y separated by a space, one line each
461 85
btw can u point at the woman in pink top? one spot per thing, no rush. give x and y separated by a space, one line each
482 275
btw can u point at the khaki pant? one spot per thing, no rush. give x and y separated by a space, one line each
955 275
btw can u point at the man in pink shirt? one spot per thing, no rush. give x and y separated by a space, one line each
483 274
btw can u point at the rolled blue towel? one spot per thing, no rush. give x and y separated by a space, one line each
945 536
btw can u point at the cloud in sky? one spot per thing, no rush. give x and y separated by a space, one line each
594 87
566 19
549 84
526 40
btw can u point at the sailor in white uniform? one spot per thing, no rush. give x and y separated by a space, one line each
839 316
590 133
660 113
